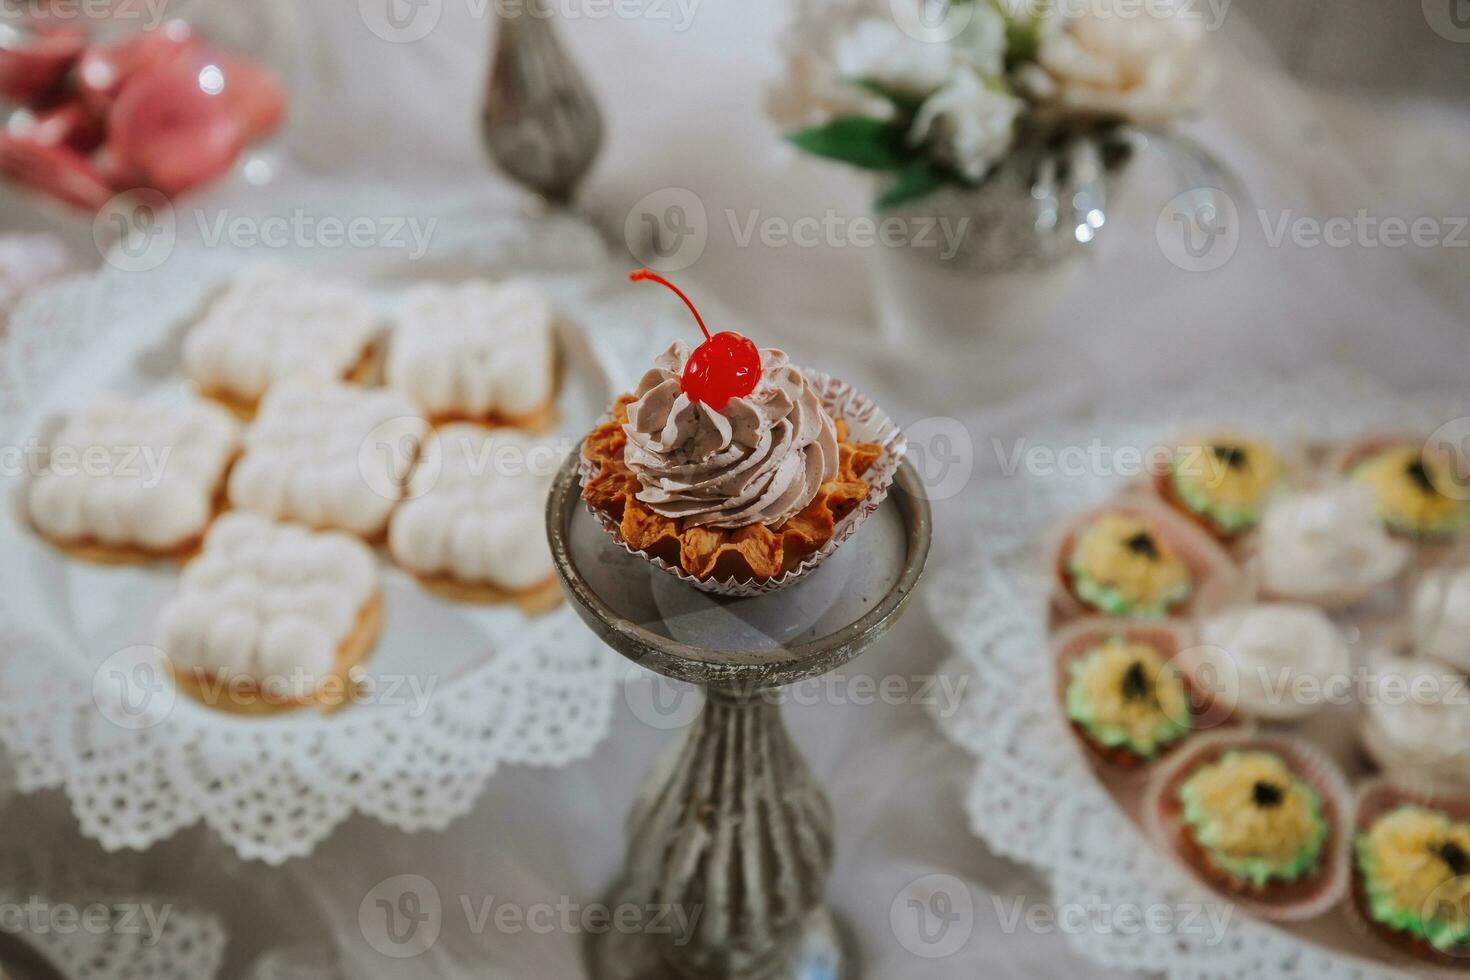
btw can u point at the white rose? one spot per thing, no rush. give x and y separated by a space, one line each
876 50
1143 62
968 125
982 43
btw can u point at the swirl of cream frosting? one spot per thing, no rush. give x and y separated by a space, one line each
758 460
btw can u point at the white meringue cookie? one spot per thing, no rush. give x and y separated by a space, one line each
475 350
234 618
1277 660
333 456
1417 718
134 473
275 323
477 513
1327 547
1439 616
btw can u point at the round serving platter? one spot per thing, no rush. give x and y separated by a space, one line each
1037 795
458 689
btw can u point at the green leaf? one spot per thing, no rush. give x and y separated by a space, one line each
872 144
914 181
905 102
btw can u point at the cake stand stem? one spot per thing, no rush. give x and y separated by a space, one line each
730 848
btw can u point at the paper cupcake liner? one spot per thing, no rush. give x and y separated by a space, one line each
1429 552
1375 798
866 422
1217 581
1171 637
1290 902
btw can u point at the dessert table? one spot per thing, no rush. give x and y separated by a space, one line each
396 125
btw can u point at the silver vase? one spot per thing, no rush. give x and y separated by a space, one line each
540 121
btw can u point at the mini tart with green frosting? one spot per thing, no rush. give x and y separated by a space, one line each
1120 564
1223 482
1413 866
1254 820
1128 700
1404 482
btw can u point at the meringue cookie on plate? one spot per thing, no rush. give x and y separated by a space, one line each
275 323
1417 718
133 479
1275 660
331 456
268 612
1327 547
1439 616
474 524
477 351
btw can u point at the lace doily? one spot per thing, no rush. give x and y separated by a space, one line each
1033 797
93 921
508 692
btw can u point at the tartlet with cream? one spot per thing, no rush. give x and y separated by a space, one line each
1222 481
725 463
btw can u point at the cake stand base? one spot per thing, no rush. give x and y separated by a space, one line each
822 951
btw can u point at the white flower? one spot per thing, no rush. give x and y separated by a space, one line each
982 43
876 50
967 124
1143 62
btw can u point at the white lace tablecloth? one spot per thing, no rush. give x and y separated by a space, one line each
401 125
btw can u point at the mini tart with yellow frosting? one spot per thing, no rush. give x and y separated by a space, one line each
1135 558
1411 870
1222 482
1407 485
1122 693
1254 820
1260 818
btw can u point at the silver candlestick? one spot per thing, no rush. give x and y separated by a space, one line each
540 121
732 825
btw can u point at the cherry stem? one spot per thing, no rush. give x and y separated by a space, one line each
647 275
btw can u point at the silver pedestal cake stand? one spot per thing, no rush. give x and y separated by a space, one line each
731 833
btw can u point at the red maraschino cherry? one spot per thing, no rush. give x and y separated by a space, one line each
725 366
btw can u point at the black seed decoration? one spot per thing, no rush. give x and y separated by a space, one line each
1231 455
1419 474
1266 795
1453 855
1135 683
1143 543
